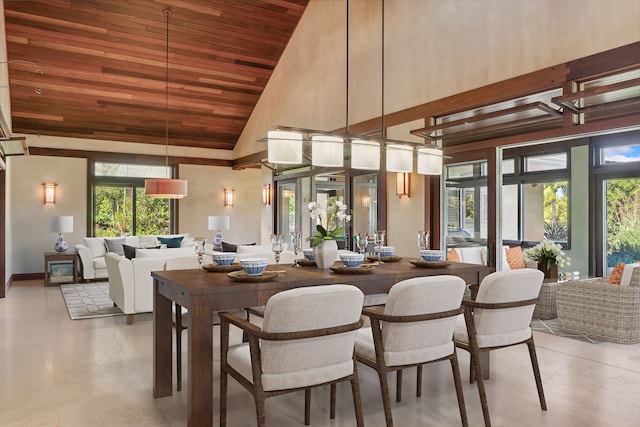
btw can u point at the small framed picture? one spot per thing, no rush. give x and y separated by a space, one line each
61 271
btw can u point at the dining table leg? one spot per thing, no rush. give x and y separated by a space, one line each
200 363
162 343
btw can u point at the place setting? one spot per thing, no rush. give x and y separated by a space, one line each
352 264
224 262
429 258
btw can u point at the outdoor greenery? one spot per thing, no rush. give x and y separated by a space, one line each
115 212
623 221
556 211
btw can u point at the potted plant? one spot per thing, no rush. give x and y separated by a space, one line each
323 241
549 256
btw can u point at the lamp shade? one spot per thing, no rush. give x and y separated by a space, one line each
327 151
166 188
429 161
284 147
61 224
219 223
365 155
399 158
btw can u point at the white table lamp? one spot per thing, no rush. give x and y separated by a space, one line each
219 223
60 225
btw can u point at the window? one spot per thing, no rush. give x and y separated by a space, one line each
466 209
120 206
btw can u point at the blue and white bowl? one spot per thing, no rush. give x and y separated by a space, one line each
308 254
387 251
351 260
254 266
431 255
223 258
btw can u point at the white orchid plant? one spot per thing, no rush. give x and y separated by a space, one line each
547 252
334 215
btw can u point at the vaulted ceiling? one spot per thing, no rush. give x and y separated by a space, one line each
97 69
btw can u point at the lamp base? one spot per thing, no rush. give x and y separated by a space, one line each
217 241
61 245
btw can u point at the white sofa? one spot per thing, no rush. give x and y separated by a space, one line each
478 255
93 249
130 281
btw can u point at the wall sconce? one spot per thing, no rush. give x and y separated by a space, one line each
266 194
49 193
229 197
402 184
366 201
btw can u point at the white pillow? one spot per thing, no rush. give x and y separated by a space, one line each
627 273
95 245
148 241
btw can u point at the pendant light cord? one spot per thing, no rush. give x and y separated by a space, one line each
167 12
383 132
346 108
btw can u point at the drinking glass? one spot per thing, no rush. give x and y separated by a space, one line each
296 242
200 241
362 240
423 239
379 241
277 241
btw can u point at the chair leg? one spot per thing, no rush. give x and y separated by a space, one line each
536 373
386 403
178 346
307 407
332 404
483 395
399 385
457 379
419 381
223 398
130 319
261 417
357 402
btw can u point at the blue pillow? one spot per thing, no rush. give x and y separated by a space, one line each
171 242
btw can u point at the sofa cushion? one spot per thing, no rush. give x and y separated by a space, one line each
99 263
627 273
171 242
164 253
616 274
514 257
96 245
148 242
114 244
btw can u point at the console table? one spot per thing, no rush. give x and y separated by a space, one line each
60 267
203 293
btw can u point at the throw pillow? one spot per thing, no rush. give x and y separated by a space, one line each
616 274
171 242
129 251
514 257
452 255
115 245
230 247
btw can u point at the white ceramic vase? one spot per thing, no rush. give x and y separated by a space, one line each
325 253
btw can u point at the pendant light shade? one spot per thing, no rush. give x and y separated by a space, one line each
429 161
164 188
365 155
284 147
399 158
327 151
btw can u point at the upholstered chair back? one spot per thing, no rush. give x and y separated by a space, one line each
302 362
510 325
421 295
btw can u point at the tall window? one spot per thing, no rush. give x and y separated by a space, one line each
120 206
466 210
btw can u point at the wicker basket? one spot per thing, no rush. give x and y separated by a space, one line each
600 310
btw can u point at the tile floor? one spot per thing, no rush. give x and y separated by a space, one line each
98 372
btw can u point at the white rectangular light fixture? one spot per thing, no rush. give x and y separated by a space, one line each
429 161
365 155
327 151
284 147
399 158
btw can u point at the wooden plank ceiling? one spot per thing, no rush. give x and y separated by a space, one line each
97 69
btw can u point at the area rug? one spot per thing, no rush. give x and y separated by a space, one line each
552 326
88 300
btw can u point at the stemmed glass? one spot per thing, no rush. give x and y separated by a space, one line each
277 241
362 240
423 239
379 240
296 242
200 241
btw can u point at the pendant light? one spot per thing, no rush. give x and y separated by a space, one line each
166 188
429 161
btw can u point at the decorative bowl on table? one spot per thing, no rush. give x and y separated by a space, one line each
387 251
308 254
254 266
351 260
224 258
431 255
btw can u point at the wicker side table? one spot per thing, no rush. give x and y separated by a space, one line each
546 307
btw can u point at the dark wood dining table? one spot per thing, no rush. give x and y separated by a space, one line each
204 292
